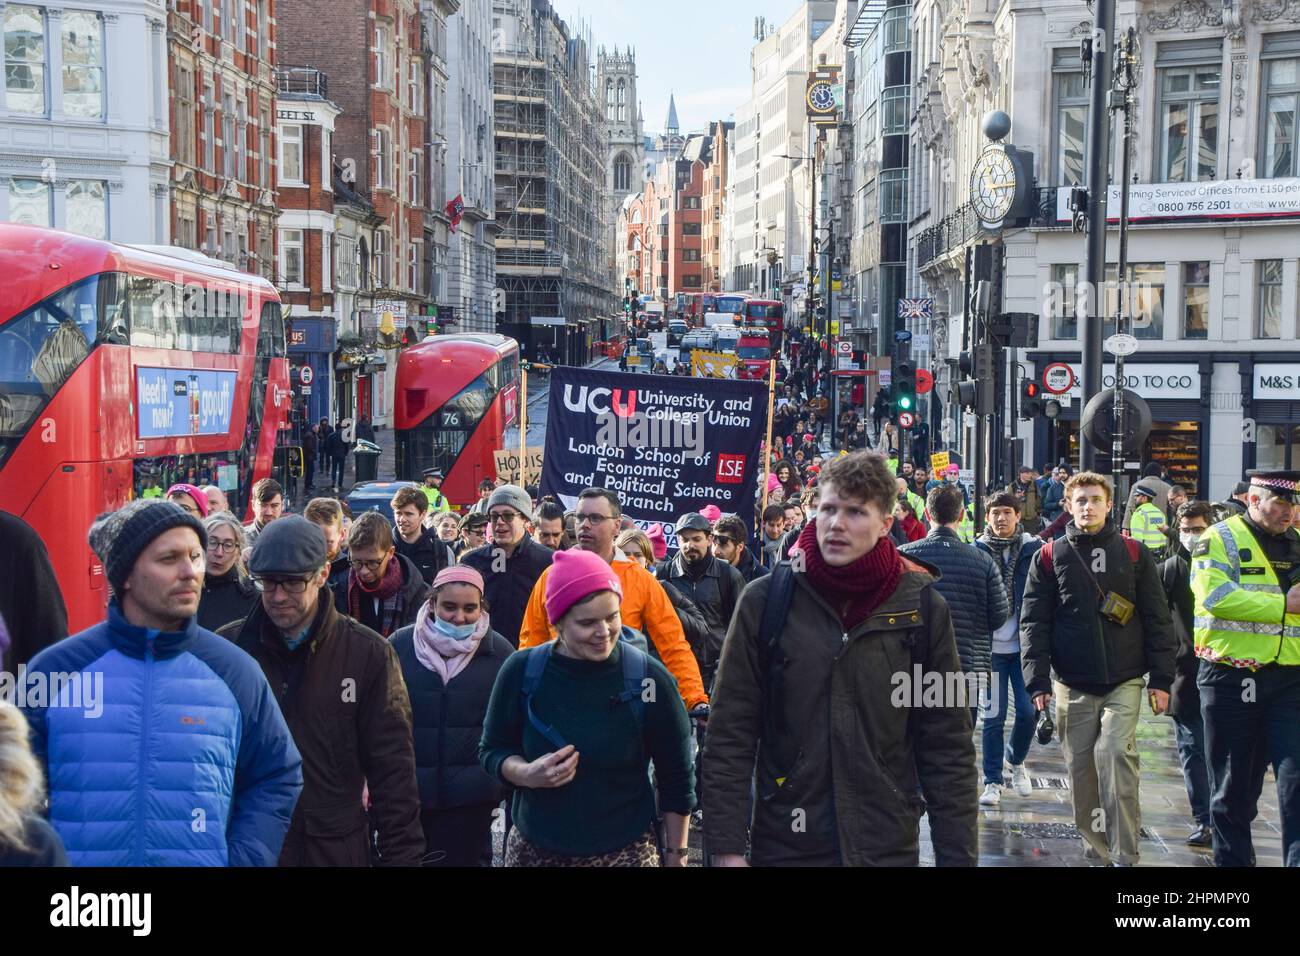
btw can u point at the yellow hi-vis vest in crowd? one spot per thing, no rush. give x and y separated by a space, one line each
966 530
917 505
1148 526
1240 605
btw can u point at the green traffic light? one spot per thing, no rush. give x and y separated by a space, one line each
905 402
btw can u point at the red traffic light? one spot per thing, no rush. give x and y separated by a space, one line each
1031 389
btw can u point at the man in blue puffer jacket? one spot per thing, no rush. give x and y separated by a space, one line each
162 742
970 583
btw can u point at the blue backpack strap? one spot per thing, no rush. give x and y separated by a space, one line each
636 667
533 668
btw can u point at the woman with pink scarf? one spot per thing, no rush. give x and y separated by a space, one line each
450 657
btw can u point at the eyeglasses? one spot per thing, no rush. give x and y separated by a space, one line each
367 565
595 520
723 539
506 516
288 585
225 547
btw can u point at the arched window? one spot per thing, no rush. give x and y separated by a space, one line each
622 173
609 99
622 101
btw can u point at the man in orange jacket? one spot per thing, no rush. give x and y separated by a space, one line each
645 605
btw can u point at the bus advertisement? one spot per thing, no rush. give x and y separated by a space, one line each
124 370
455 396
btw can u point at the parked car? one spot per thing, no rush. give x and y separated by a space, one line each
376 496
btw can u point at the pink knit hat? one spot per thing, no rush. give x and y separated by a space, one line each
658 543
576 575
773 482
459 574
200 497
712 512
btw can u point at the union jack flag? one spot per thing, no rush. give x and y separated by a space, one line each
914 308
456 211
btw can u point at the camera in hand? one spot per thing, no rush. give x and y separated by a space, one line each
1044 729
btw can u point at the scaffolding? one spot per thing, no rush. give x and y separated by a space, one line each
551 150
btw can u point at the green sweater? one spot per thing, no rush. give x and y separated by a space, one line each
610 802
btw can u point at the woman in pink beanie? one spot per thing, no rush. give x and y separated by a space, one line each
586 714
192 499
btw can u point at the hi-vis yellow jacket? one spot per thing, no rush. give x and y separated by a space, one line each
1240 611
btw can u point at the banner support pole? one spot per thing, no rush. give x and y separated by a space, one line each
523 426
767 447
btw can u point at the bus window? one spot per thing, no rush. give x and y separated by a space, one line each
442 436
39 351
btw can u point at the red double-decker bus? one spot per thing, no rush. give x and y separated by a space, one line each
766 314
454 397
122 371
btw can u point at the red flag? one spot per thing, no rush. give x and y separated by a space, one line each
456 211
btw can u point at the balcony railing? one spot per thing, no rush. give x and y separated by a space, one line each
301 79
962 227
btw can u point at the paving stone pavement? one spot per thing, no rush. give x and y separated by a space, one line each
1038 830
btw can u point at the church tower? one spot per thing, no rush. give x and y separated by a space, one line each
625 166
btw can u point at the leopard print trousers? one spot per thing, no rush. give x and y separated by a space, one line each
643 851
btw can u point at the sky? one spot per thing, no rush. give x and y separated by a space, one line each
698 50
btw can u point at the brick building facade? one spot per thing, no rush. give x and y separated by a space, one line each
221 58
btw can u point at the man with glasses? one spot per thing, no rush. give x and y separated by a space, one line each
412 539
728 541
340 687
473 534
645 606
384 589
512 563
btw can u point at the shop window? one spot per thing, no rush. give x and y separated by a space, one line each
1271 445
1196 300
1268 279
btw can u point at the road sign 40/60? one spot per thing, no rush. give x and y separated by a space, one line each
1139 382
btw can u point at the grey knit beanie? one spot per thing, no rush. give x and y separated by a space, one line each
119 536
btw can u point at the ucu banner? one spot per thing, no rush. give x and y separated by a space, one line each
667 445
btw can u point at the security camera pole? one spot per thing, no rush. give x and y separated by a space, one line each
1098 183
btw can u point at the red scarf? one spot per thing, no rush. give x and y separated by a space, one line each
856 589
385 590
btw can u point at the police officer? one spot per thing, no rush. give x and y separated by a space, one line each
1247 635
1149 524
432 490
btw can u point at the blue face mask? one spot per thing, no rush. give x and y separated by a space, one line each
455 631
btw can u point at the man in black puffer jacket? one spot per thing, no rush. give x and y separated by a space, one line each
1094 664
971 584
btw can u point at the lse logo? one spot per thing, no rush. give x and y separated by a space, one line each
731 469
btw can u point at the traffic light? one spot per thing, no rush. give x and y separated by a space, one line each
980 392
1031 400
904 388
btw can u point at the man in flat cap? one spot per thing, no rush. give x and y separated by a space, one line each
340 687
1247 635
